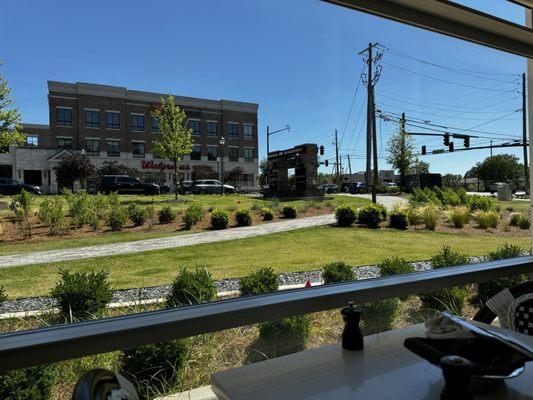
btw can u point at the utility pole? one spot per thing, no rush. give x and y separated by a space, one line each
349 168
491 148
524 132
368 116
336 156
375 151
402 130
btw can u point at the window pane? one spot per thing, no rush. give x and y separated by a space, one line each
64 143
93 147
112 120
233 130
138 149
248 155
212 128
233 154
64 117
113 148
248 131
32 141
155 123
137 122
91 119
196 153
212 153
195 126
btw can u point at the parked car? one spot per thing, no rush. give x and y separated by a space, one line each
390 184
185 187
164 188
210 186
124 184
357 187
12 186
328 188
497 185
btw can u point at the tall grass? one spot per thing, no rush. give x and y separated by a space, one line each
430 216
487 219
459 216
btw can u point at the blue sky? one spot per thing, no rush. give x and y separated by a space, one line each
298 59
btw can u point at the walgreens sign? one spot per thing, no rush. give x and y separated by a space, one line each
161 166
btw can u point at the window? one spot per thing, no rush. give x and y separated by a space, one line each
32 141
155 124
248 155
137 149
137 122
248 180
64 117
212 128
92 147
64 143
233 153
233 129
212 153
196 153
91 119
113 148
112 120
248 131
195 126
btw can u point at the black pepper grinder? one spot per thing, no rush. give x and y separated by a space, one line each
352 338
456 371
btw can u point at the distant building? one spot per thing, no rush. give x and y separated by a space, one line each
386 175
111 123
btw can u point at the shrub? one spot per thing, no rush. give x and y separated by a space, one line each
371 215
219 219
379 315
399 218
524 222
261 281
450 298
34 383
289 211
487 219
117 218
78 207
21 206
287 335
395 266
100 208
155 368
337 272
243 217
485 290
267 214
482 203
51 213
193 214
514 218
167 215
459 216
82 295
137 214
191 288
345 214
414 216
3 295
430 216
426 195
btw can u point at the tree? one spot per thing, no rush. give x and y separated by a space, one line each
401 154
234 175
203 172
263 172
114 168
500 168
419 167
176 134
77 167
10 134
451 180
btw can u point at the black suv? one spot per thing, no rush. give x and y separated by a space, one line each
124 184
12 186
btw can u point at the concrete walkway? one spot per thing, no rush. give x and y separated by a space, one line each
15 260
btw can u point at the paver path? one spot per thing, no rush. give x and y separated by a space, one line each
78 253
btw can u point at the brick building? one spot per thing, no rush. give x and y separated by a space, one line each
111 123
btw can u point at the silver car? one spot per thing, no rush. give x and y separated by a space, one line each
210 186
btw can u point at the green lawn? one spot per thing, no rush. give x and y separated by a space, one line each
304 249
517 205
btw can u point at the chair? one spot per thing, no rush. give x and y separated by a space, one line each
512 306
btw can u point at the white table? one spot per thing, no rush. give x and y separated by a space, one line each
385 369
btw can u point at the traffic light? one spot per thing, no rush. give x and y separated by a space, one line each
321 150
423 150
467 141
326 163
450 147
446 140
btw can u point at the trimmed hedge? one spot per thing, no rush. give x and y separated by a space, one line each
399 219
117 218
337 272
372 215
167 215
219 219
345 215
395 266
192 215
243 217
260 281
267 214
191 287
289 211
137 214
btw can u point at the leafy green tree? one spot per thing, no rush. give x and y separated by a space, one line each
77 167
451 180
401 154
419 167
10 134
176 134
498 168
262 172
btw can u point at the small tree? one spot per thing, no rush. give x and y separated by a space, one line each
419 167
234 175
10 134
176 134
401 154
114 168
77 167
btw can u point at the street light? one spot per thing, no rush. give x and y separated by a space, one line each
222 142
287 128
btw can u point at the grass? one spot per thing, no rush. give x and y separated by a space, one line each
228 202
517 205
304 249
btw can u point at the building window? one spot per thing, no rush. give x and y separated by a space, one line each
64 117
155 124
196 153
32 141
112 120
91 119
137 149
92 147
233 129
64 143
212 153
248 180
248 131
113 148
233 153
137 122
212 128
248 155
195 126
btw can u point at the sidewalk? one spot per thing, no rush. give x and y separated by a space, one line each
15 260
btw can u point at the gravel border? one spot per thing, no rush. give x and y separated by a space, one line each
31 304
